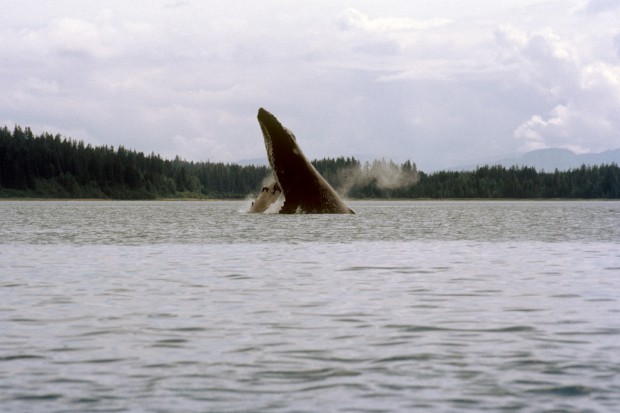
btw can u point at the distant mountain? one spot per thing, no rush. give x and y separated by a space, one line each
549 160
562 159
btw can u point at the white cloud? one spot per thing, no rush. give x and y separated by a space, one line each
354 19
583 92
600 6
104 37
440 83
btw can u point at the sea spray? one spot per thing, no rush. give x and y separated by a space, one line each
383 174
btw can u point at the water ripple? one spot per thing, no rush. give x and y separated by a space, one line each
406 306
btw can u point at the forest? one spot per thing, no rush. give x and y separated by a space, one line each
52 166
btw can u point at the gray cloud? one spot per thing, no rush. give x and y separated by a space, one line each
600 6
435 84
581 94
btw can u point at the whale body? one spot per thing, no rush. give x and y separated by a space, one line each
303 188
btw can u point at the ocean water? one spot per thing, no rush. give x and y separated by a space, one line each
448 306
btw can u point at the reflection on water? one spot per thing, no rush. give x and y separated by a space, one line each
197 306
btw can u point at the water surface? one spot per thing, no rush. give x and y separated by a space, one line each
405 306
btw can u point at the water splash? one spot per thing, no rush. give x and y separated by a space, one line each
384 174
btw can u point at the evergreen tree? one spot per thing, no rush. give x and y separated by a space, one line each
52 166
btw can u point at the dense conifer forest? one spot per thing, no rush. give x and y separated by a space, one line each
50 166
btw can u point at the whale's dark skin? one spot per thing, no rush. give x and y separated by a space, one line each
304 189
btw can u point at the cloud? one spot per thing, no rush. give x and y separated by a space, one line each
68 36
380 41
105 37
583 92
600 6
435 84
354 19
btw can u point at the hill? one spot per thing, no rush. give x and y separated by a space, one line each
50 166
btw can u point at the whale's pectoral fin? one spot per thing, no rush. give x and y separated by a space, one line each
268 196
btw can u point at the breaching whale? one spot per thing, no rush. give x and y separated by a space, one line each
268 196
303 188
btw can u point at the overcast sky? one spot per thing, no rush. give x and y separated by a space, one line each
443 83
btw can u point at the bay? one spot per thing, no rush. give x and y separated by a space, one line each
405 306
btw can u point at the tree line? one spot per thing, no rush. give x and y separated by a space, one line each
56 167
587 182
52 166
